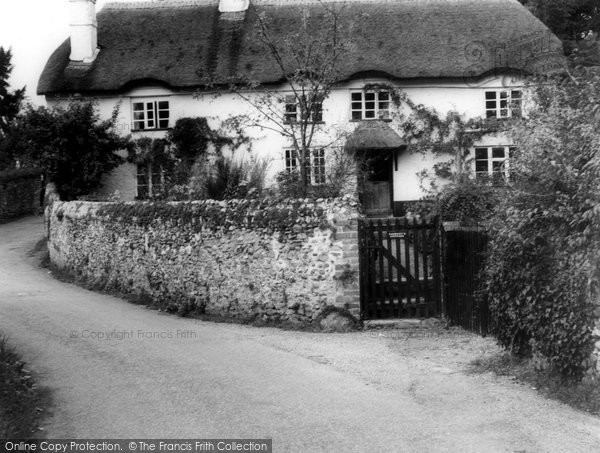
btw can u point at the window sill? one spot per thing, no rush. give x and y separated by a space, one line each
151 130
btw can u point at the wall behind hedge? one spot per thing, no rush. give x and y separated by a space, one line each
248 260
19 193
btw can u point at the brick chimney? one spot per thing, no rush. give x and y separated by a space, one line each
84 30
233 6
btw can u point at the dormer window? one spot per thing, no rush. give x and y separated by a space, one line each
503 103
370 105
150 114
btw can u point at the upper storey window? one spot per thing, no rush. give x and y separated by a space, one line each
293 113
503 103
370 105
150 114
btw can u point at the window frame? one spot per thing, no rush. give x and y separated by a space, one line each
292 115
498 167
507 103
151 116
317 169
148 171
359 109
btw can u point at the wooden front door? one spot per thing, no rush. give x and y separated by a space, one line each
377 188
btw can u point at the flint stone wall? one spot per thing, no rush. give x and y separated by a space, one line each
248 260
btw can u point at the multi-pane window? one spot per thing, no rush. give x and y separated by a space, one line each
293 112
503 103
492 162
152 114
318 166
315 165
150 180
370 105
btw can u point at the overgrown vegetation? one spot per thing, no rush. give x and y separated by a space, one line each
467 201
70 144
267 214
542 272
10 104
19 399
570 20
189 163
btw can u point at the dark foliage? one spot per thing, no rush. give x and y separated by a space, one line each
467 201
18 397
568 19
268 214
70 144
10 104
191 139
542 272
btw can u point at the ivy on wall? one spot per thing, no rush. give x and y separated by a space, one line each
265 214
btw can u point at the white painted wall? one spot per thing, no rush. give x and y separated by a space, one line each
467 98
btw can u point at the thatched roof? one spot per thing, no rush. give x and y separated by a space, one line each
181 43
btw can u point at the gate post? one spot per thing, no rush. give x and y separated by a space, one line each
347 269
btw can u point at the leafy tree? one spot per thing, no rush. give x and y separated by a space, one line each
10 104
71 145
570 20
543 270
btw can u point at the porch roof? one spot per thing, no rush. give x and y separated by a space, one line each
374 135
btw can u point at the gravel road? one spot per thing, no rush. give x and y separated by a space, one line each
116 370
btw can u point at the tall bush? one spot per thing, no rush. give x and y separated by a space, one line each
542 271
467 201
70 144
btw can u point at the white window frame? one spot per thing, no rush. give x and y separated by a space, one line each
497 167
370 105
153 114
317 168
154 180
292 115
506 103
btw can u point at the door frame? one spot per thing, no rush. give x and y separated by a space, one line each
390 174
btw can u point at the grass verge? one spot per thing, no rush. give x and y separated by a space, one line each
584 395
21 402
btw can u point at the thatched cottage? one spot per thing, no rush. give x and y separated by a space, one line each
153 57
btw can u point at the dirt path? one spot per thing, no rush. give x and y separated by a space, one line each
162 376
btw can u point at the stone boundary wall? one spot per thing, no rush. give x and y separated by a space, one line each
20 192
290 262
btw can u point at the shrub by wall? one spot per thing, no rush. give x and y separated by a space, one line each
290 262
541 291
19 193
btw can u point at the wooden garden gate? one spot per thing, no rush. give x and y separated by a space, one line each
400 269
